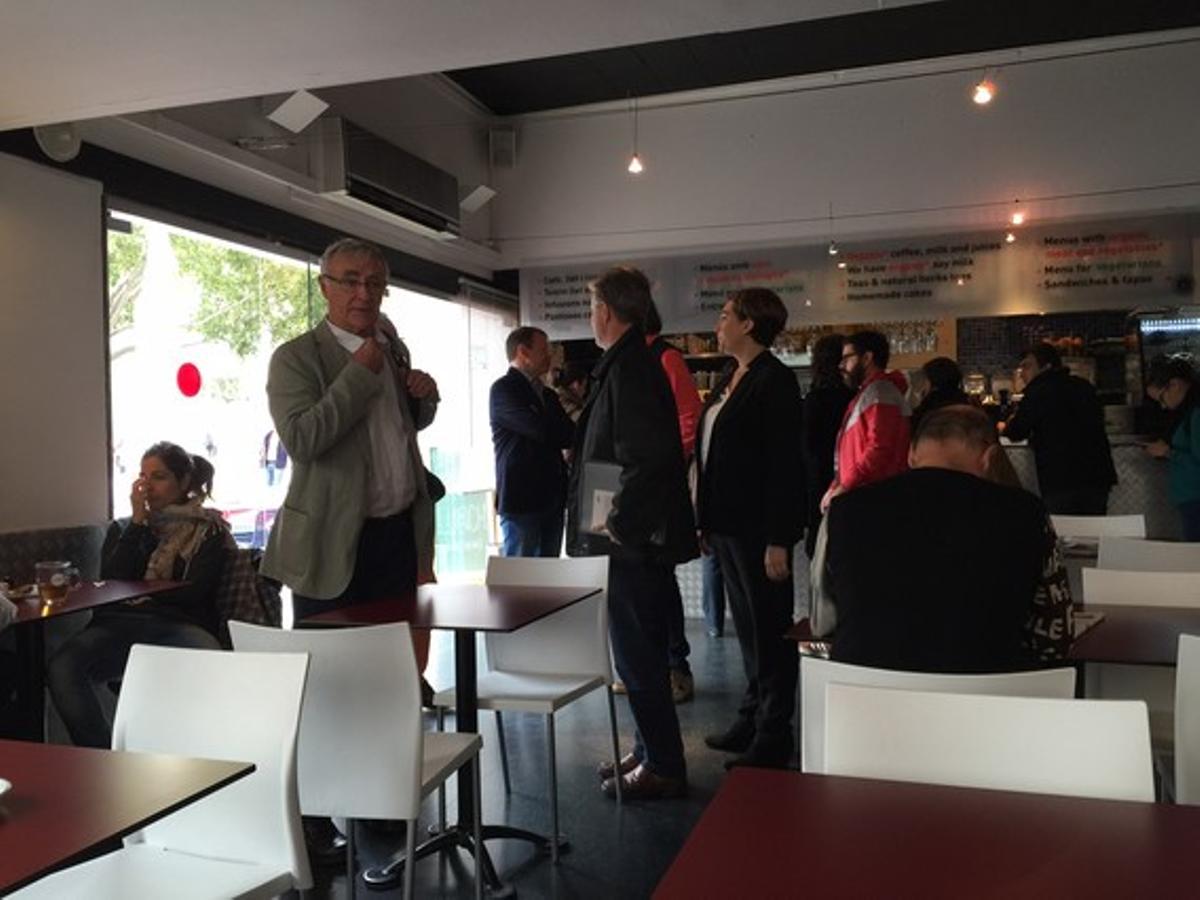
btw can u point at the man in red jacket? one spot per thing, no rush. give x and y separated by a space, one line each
873 442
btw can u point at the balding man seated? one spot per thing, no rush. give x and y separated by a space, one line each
937 569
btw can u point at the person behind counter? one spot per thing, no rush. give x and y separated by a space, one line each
1172 384
1061 416
171 535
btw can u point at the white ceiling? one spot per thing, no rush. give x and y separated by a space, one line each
68 60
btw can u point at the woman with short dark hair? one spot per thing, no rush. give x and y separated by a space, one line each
945 388
170 536
750 507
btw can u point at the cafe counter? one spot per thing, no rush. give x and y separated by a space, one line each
1141 484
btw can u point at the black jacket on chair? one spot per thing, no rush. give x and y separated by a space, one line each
630 420
528 436
752 482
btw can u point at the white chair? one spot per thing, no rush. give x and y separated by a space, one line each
1153 684
1078 748
816 673
1187 721
555 661
1120 588
1133 555
241 841
363 753
1099 526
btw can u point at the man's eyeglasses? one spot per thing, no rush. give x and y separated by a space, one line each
373 286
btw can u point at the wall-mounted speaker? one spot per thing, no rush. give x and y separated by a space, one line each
502 147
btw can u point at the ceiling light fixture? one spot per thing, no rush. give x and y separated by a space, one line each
833 247
1009 238
1017 218
635 166
983 91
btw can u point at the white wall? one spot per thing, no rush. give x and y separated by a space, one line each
763 170
54 456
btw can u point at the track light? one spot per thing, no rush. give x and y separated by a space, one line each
635 166
983 92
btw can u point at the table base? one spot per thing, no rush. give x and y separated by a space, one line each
459 836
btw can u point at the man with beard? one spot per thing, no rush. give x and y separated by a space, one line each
873 442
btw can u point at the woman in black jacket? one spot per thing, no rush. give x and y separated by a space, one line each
824 407
750 504
170 536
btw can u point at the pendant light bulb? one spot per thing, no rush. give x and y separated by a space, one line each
1017 218
635 166
983 92
833 248
1009 238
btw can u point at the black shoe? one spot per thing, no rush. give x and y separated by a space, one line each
325 846
736 739
772 753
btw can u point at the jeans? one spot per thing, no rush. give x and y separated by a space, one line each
1190 514
762 614
385 565
639 609
97 655
713 593
532 534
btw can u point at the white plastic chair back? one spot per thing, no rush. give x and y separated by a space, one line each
361 740
219 705
1079 748
816 673
1099 526
1133 555
572 641
1187 721
1116 588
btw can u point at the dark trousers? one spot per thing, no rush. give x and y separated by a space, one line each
1189 514
714 593
639 609
678 648
385 565
1088 501
762 614
532 534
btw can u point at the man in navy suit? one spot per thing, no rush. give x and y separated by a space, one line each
529 433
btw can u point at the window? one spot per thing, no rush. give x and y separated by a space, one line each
183 304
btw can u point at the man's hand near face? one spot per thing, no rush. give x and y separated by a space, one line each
370 354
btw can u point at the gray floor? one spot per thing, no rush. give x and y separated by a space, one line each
615 852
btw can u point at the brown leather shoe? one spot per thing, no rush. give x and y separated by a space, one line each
642 784
628 763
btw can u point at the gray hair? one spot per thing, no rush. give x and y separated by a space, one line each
355 247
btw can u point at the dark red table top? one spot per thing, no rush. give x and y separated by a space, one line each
1140 635
89 594
784 834
66 801
461 606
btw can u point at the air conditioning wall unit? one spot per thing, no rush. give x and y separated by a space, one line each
362 170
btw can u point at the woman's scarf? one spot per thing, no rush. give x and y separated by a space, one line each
180 530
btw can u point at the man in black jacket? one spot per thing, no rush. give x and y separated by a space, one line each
529 433
1061 416
627 440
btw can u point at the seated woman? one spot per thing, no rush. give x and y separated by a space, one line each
170 535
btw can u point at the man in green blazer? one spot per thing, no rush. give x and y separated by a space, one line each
357 523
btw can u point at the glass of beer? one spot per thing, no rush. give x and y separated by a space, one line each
54 579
